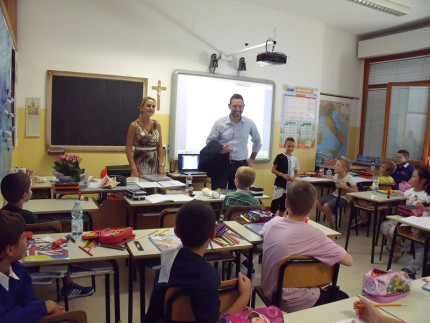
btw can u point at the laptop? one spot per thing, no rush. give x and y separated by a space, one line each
189 164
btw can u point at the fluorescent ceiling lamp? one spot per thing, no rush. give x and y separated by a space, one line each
386 6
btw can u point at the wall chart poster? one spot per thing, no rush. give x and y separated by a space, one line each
299 111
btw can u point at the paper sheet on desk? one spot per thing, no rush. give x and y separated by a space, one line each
423 221
148 184
351 320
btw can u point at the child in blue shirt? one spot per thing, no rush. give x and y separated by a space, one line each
404 170
17 300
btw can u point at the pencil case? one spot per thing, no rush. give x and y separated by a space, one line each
266 314
409 210
386 286
220 229
112 236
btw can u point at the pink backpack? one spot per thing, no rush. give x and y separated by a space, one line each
270 314
386 286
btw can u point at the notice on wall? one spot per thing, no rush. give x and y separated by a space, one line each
299 111
32 117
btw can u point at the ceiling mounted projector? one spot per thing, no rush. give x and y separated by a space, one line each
271 58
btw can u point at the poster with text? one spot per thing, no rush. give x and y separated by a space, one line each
298 119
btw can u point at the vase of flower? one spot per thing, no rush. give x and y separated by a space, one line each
67 168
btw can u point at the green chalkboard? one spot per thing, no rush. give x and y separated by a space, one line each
91 111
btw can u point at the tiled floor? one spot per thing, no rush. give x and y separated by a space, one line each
350 279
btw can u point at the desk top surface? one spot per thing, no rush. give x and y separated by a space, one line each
377 198
151 251
46 206
198 196
320 180
422 222
76 254
255 238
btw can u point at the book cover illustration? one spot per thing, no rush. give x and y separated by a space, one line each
41 250
168 241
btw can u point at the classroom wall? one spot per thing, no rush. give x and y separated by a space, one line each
152 38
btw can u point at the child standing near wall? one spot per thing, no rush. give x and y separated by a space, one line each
286 168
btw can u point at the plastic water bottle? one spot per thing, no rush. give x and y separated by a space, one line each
375 186
77 219
329 172
188 182
372 169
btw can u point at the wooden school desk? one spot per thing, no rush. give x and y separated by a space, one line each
63 206
327 313
196 178
256 239
76 255
95 190
378 200
144 206
151 251
416 304
41 190
421 223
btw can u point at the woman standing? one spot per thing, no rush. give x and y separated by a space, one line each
145 135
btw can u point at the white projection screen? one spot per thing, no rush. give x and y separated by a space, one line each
198 99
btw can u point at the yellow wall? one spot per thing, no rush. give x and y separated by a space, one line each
31 153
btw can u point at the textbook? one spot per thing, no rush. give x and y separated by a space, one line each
168 241
41 251
255 227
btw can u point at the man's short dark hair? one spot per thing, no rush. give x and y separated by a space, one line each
236 96
301 197
12 226
195 223
405 153
14 185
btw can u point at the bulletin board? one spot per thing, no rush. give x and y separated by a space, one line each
91 112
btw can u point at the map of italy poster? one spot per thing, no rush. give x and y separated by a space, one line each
333 125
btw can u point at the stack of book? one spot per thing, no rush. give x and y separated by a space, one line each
67 186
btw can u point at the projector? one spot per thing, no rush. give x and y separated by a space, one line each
271 58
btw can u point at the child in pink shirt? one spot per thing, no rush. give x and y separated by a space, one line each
292 236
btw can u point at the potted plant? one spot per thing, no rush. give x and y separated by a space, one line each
67 168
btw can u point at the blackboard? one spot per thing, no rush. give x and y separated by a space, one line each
91 111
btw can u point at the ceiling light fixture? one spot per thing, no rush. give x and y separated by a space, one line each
386 6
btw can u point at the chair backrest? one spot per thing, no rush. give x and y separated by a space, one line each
304 272
232 210
168 218
177 304
44 227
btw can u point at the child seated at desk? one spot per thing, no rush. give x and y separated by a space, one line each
16 189
245 177
186 267
345 182
292 236
17 300
385 170
404 170
418 194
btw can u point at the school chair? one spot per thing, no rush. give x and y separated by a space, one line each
237 209
300 272
177 304
76 316
44 227
168 218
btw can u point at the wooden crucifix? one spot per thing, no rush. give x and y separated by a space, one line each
158 88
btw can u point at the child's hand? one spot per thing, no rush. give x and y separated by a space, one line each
286 176
366 311
244 284
342 185
421 205
53 308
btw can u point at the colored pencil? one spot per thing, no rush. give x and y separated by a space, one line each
86 251
161 232
380 305
231 237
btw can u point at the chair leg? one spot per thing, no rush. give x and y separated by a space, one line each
369 222
383 242
253 298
